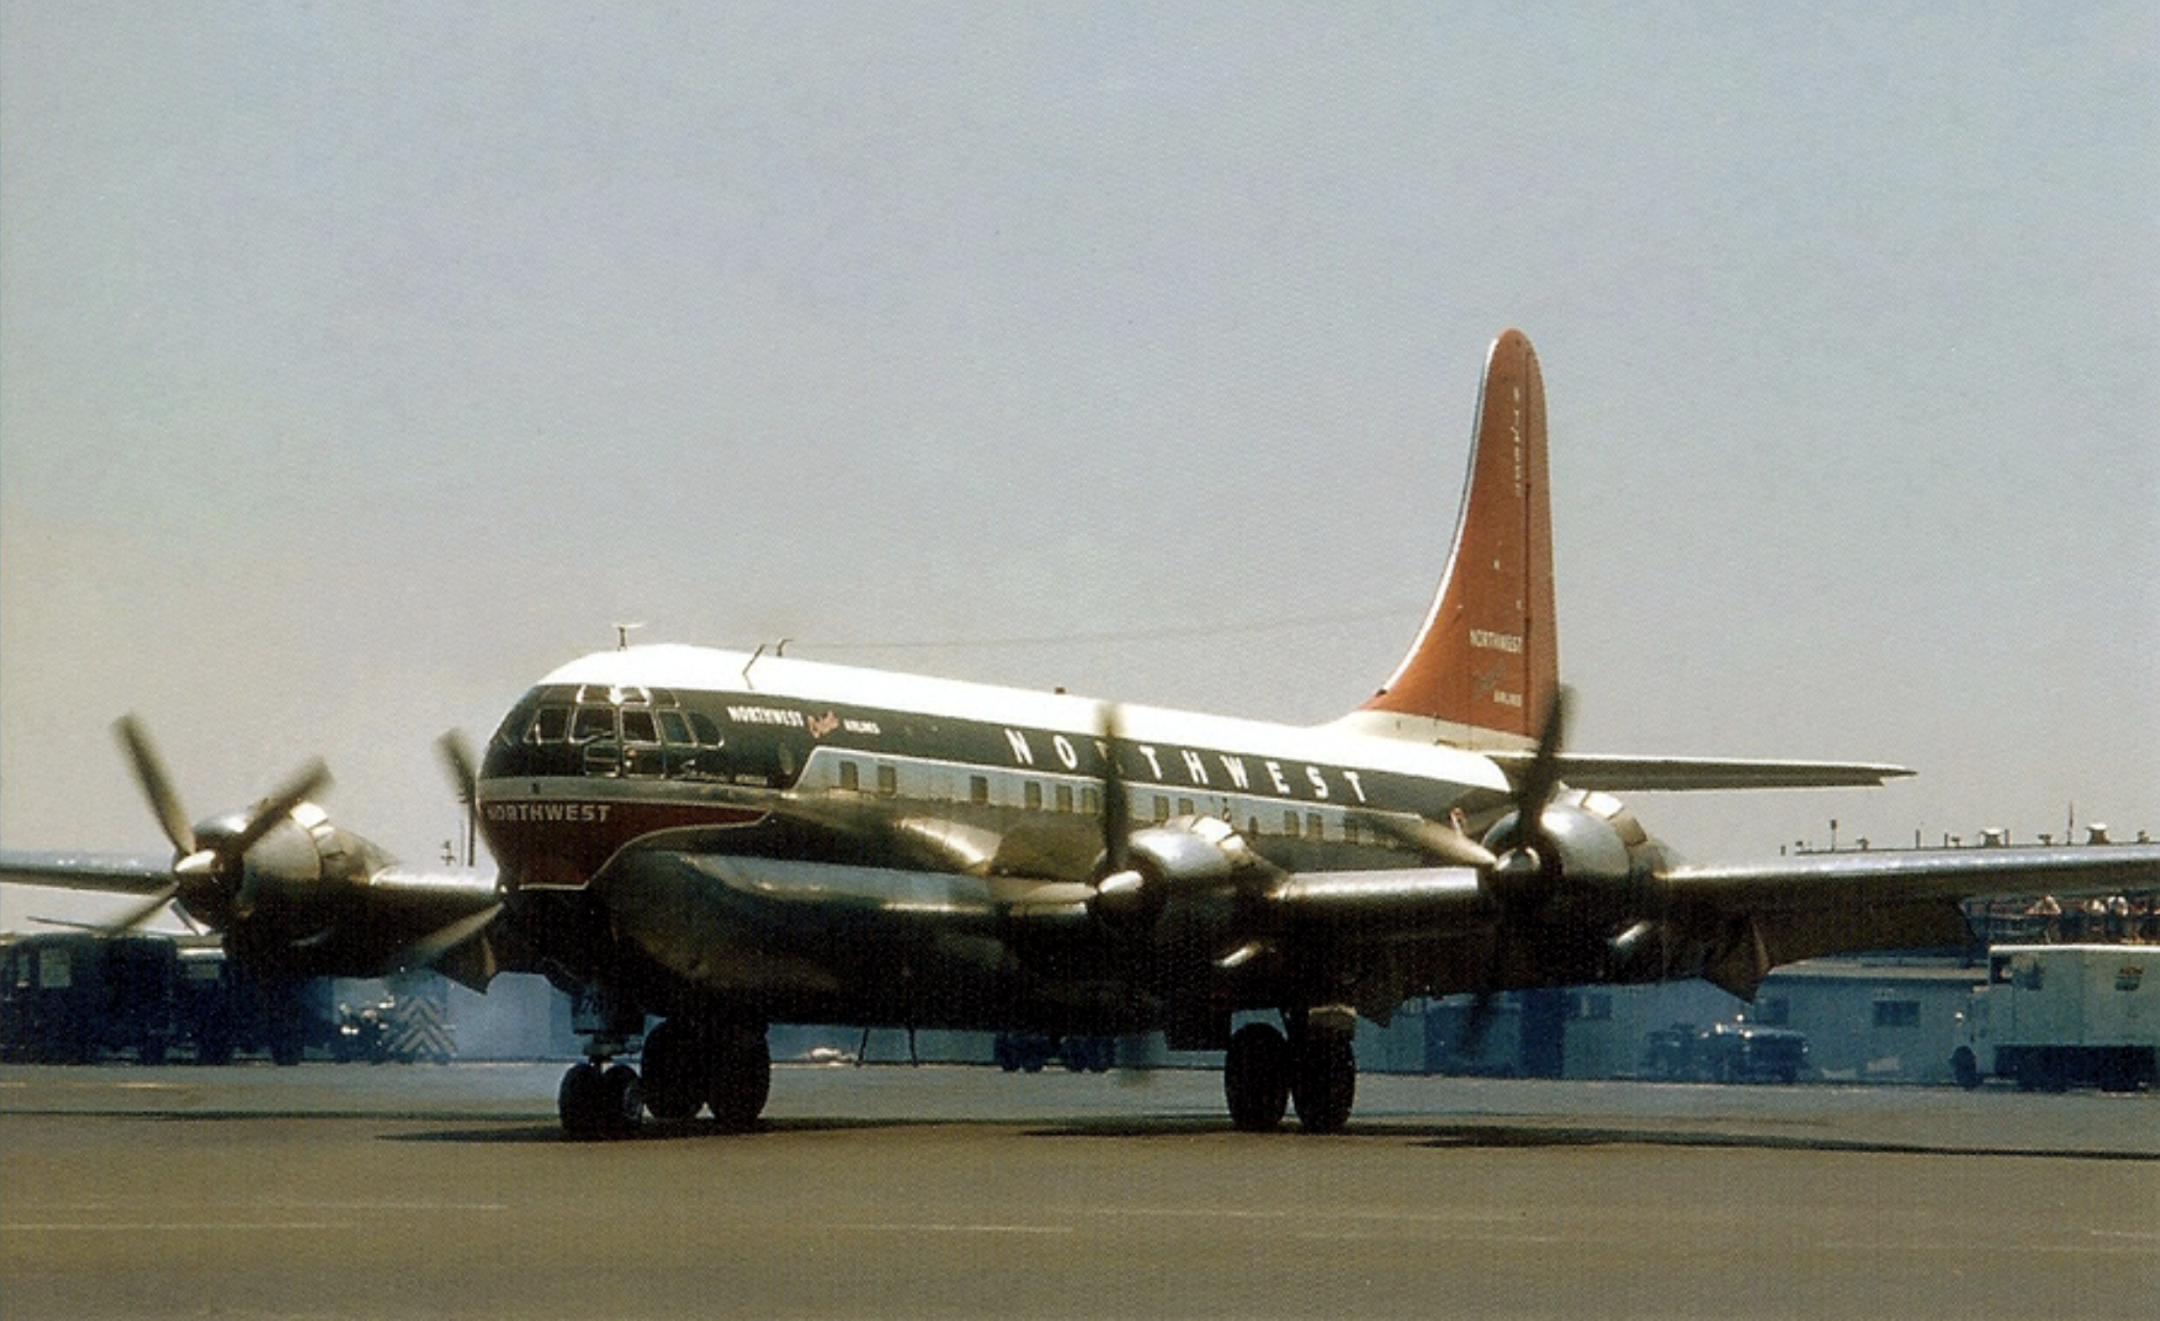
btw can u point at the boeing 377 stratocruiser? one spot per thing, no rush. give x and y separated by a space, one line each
697 844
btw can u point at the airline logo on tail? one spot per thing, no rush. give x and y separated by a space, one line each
1487 661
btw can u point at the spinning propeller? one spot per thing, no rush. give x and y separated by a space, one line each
212 876
295 894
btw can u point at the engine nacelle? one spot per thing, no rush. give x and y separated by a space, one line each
1183 857
1591 842
291 903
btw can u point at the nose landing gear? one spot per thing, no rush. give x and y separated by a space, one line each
599 1101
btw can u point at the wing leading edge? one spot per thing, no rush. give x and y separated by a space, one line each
105 872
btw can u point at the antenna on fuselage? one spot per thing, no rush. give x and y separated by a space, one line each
622 635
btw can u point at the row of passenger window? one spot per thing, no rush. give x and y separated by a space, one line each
1087 800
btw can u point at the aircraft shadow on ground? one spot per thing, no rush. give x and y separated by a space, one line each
688 1130
1482 1135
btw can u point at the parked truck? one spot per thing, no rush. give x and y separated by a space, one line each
79 997
1725 1052
2051 1017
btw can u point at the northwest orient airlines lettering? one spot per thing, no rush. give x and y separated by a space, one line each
820 726
1489 681
579 813
1211 770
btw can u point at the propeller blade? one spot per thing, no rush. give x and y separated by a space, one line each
1543 775
464 772
1137 1059
156 786
135 917
308 781
457 759
423 952
1474 1025
1116 804
1439 842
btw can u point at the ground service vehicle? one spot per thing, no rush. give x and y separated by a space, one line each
1726 1052
73 997
2056 1016
77 997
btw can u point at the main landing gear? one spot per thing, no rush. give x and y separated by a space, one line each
1264 1073
688 1066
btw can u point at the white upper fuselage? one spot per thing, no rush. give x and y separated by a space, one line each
982 749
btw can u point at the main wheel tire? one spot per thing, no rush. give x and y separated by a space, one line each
1323 1081
1256 1078
581 1104
675 1080
622 1100
741 1076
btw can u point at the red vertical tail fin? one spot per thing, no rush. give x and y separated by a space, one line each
1487 661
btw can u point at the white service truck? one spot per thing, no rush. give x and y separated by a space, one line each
2057 1016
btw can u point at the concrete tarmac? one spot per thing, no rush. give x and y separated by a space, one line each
329 1191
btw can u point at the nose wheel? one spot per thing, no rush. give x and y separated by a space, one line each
599 1101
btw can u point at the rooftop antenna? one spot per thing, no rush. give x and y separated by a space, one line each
622 635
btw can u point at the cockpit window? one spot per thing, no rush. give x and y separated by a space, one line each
708 733
593 722
638 727
676 730
549 725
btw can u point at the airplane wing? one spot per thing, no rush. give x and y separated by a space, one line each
1729 924
412 918
1797 908
110 873
1657 774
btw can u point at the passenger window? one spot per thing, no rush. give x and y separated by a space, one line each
1034 796
1314 829
1289 824
1064 798
888 781
978 789
850 776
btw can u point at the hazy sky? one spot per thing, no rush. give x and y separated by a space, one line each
361 363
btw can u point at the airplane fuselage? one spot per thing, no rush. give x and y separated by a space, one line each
784 840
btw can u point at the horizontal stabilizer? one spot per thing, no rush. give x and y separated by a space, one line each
1661 774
